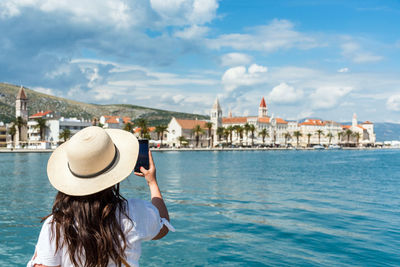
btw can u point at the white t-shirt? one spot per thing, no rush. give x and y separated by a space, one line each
145 225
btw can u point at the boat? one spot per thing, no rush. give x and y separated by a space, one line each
332 147
318 147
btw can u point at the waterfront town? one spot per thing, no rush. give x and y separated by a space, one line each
47 129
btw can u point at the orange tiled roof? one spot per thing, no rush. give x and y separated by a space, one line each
367 122
281 121
151 129
313 122
234 120
40 114
126 119
190 124
112 119
264 120
349 126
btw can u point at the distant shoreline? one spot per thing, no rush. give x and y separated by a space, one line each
5 150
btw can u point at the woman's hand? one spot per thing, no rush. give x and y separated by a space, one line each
150 174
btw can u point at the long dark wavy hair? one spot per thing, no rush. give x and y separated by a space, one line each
90 227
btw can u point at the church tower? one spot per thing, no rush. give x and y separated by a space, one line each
216 119
21 110
21 105
262 110
354 121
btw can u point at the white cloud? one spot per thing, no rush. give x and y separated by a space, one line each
192 32
235 59
366 57
116 12
178 98
279 34
357 54
254 69
185 12
327 97
343 70
285 94
239 76
393 103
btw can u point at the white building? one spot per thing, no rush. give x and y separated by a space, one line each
54 127
114 122
282 132
275 127
362 134
184 128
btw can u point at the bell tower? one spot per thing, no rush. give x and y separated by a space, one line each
354 120
216 119
21 110
263 110
21 105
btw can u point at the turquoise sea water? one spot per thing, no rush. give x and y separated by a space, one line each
239 208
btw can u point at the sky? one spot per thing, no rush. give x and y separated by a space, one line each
308 58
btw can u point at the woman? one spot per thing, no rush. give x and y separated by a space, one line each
91 224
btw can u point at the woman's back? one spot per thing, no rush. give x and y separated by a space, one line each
143 223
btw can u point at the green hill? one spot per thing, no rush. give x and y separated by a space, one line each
69 108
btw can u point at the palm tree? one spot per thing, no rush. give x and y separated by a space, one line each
226 135
357 135
65 134
297 134
160 130
252 130
239 132
41 125
319 132
263 133
287 137
246 129
209 126
144 130
128 127
181 139
330 136
230 130
220 132
12 131
19 122
339 136
348 133
197 130
308 138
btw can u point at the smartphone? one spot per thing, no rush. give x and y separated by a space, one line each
143 158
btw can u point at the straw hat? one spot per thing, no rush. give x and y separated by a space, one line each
92 160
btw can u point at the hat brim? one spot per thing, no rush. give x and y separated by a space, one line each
64 181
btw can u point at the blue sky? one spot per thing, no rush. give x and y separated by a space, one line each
325 59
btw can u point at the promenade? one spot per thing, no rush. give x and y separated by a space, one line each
6 150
